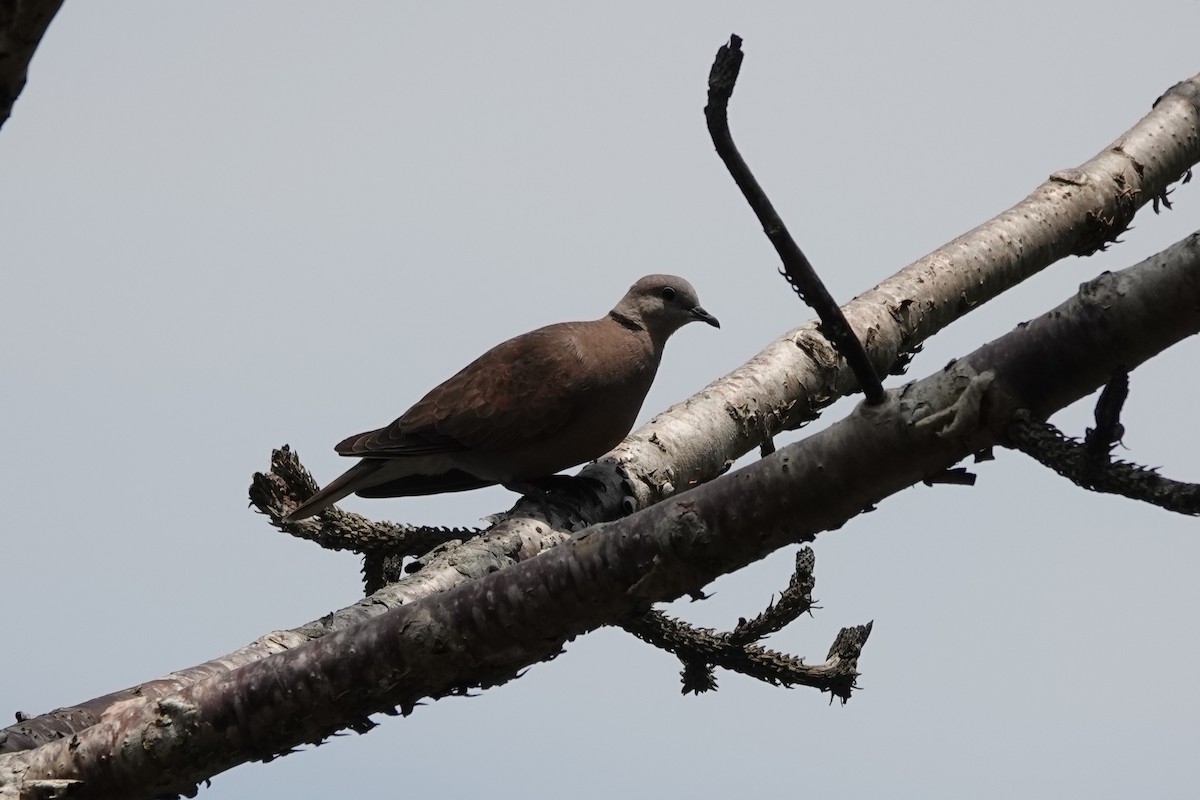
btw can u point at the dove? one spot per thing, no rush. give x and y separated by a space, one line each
528 408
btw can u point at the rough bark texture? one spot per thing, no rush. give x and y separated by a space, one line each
445 569
1075 212
786 383
389 650
1072 460
482 632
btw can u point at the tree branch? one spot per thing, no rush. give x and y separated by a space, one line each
1100 440
698 648
1075 461
275 492
483 632
23 23
794 601
781 387
796 266
701 648
798 374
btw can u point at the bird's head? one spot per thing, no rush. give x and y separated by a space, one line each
662 304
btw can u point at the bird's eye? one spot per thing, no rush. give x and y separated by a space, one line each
668 293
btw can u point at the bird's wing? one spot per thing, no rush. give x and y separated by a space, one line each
396 441
520 390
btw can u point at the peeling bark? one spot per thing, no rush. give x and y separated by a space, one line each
781 387
499 609
483 632
1073 212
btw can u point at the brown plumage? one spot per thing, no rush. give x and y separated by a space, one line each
529 407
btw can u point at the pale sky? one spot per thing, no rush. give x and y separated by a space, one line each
228 226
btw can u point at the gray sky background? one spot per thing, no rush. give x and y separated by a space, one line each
228 226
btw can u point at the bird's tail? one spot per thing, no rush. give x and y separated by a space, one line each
348 482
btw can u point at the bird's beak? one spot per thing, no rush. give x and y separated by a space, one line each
703 316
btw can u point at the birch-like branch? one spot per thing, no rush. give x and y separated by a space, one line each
781 386
1073 213
484 632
